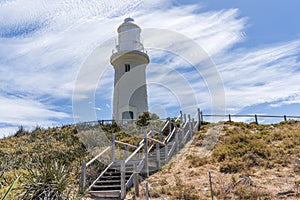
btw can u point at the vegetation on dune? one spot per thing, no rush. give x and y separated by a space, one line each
46 163
246 146
243 160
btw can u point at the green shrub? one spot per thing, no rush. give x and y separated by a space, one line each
47 179
144 119
196 161
231 167
21 131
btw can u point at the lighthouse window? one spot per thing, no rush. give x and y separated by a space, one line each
127 67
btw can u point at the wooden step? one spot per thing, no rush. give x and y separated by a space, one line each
114 177
99 187
106 182
106 194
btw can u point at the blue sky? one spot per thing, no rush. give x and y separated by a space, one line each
254 45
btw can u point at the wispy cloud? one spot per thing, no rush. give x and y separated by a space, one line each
26 112
263 75
43 46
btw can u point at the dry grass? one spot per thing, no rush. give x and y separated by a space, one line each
249 161
41 158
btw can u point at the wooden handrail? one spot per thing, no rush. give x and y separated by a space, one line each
96 157
178 118
141 142
126 144
157 141
135 152
166 124
144 144
171 134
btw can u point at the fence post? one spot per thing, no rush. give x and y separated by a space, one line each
229 118
199 119
158 155
256 121
210 184
146 154
113 147
147 191
123 186
284 117
83 176
201 114
136 181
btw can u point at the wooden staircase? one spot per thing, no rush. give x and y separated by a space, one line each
120 175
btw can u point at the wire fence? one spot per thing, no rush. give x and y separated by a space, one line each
254 117
213 118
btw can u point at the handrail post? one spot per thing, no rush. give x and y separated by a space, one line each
123 186
127 151
180 133
157 156
146 154
193 126
181 118
160 135
166 152
83 176
136 181
190 126
199 119
176 139
113 147
170 125
152 134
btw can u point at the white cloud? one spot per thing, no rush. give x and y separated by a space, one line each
264 75
44 44
28 113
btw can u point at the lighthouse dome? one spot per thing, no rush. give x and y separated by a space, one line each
128 20
128 25
129 36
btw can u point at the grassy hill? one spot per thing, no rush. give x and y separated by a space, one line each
47 162
247 161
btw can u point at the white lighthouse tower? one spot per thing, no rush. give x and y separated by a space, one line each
129 61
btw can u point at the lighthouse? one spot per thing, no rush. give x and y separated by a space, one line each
129 61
